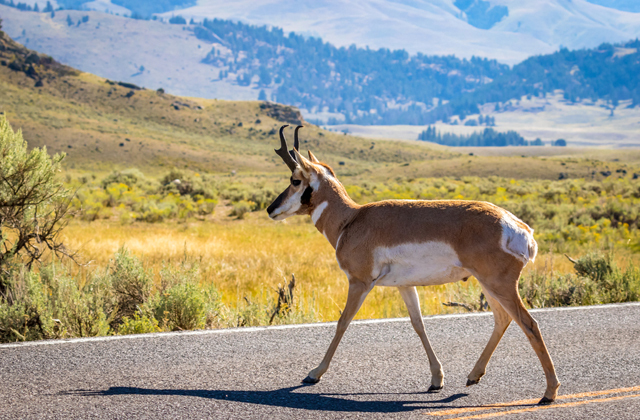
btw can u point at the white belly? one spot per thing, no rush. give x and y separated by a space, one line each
423 264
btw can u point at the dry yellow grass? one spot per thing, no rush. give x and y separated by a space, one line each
250 258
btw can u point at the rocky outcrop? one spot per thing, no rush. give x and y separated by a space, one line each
282 113
37 66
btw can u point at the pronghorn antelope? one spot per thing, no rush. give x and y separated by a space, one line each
406 243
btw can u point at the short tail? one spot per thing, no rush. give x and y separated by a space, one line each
533 248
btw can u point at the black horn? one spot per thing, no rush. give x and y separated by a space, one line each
284 153
296 143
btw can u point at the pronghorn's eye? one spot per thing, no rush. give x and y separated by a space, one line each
295 182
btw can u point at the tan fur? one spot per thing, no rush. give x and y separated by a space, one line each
472 228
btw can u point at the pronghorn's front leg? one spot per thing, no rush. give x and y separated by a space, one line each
410 297
357 292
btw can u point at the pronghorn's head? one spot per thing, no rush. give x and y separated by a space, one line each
306 177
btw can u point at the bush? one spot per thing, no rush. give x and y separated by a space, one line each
23 309
141 323
128 177
541 291
597 281
52 304
33 202
130 283
241 208
182 304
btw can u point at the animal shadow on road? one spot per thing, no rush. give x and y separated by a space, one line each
286 398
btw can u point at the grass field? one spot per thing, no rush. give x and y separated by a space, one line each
249 257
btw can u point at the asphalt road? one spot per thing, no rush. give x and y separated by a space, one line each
380 371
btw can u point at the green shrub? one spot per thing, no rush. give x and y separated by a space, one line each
52 304
141 323
594 266
82 309
130 282
181 303
24 314
128 177
541 291
241 208
33 202
597 281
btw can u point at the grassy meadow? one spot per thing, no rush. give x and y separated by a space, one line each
156 255
247 256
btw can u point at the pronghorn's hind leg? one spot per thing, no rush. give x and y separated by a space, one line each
502 321
505 290
357 293
410 297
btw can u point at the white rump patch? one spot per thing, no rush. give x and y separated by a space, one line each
517 241
421 264
317 212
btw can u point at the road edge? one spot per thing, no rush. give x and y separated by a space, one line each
292 326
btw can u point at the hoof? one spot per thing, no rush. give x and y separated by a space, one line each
310 380
470 382
434 389
545 401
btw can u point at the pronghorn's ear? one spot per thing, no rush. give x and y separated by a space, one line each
312 158
304 164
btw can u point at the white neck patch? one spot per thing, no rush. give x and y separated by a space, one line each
317 212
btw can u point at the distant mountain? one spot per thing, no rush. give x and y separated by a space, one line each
507 30
144 52
361 85
223 59
232 60
609 73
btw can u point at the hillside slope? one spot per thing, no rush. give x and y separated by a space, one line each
146 53
103 125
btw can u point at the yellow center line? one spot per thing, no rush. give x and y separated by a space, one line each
531 401
545 407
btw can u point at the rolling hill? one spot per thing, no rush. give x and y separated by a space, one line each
104 125
223 59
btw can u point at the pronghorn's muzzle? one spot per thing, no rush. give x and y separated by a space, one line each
276 203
